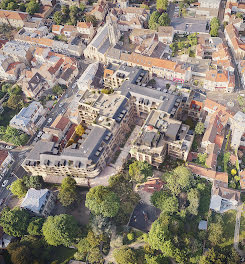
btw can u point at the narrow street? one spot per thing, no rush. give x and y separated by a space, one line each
237 230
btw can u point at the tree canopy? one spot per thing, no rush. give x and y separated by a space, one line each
199 129
60 230
164 201
164 20
102 201
14 222
68 191
162 4
18 188
179 179
153 21
139 171
35 226
214 27
35 182
125 255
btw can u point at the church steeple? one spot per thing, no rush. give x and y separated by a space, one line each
113 32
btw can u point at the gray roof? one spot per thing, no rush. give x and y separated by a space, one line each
99 38
105 46
166 100
35 199
39 148
189 25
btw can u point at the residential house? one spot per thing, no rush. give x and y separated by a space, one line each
39 202
86 29
34 87
234 41
224 199
29 118
9 69
6 160
20 52
166 34
100 10
219 80
212 175
13 18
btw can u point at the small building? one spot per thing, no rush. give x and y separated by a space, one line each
40 202
203 225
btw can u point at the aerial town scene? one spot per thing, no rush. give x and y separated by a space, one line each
122 131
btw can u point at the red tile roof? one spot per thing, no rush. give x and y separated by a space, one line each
3 156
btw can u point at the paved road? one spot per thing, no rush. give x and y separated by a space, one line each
237 230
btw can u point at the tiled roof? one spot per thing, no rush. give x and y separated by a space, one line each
84 25
63 122
208 173
14 15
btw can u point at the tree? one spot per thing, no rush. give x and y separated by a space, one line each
14 222
179 179
65 11
144 6
15 102
91 19
215 233
21 255
130 236
83 249
57 90
214 27
68 191
164 20
202 158
32 7
18 188
79 130
164 201
95 256
193 197
192 39
35 182
60 230
125 255
162 4
239 15
233 172
139 171
35 226
12 6
58 17
153 21
102 201
199 129
82 7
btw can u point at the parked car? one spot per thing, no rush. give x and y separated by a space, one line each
5 183
9 147
40 133
61 104
49 120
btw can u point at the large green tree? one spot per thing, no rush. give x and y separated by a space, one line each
58 17
125 255
216 233
139 171
32 7
68 191
153 21
164 20
179 179
162 4
35 226
193 196
164 201
35 182
18 188
60 230
102 201
14 222
214 27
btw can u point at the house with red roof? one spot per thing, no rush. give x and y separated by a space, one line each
6 159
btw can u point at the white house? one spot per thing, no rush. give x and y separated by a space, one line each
40 202
224 199
238 130
29 118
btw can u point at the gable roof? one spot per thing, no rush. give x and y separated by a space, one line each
13 15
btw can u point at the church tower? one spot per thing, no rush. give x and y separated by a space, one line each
113 32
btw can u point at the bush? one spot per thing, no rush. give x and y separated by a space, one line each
130 236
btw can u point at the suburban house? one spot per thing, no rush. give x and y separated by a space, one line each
6 159
39 202
29 118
